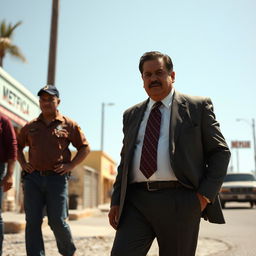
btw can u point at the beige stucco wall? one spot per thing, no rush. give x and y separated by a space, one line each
105 166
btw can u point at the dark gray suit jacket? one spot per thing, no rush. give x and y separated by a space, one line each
199 154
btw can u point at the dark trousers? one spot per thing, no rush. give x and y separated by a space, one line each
172 216
50 192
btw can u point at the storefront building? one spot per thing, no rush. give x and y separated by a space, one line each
20 106
92 181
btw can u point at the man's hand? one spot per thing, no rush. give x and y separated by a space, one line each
63 168
113 216
203 201
27 167
7 183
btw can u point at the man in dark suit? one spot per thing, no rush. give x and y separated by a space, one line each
173 162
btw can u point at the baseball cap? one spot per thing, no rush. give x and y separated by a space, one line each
50 89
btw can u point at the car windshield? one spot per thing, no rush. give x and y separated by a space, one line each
239 177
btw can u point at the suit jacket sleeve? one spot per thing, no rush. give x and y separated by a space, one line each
115 198
216 152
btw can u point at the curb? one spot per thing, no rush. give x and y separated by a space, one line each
79 214
15 222
11 227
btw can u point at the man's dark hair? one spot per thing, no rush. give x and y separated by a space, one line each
153 56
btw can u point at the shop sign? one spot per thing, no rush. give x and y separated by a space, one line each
16 101
240 144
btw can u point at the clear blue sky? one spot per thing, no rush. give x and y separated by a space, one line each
212 44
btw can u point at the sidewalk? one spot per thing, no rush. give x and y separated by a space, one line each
94 230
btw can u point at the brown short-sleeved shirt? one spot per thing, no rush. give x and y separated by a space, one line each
48 144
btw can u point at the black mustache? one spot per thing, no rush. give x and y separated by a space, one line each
154 83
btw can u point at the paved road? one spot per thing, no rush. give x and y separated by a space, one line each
239 233
94 237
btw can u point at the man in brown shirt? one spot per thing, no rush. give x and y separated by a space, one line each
47 171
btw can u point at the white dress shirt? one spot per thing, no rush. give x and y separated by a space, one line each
164 170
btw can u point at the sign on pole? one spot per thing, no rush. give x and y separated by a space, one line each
240 144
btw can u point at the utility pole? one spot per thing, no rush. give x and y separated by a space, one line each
254 143
53 43
103 105
237 160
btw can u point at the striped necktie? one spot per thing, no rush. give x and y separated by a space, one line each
148 161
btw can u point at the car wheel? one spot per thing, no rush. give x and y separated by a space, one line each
223 205
252 204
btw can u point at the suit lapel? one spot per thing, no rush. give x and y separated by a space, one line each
178 115
134 125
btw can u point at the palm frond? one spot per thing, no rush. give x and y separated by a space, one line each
15 51
3 28
11 28
6 46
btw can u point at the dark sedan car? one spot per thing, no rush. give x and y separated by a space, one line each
238 187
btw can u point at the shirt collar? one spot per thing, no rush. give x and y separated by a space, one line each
167 101
59 117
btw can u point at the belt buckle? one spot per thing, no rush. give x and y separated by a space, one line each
41 173
148 186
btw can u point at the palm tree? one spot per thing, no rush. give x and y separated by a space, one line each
6 46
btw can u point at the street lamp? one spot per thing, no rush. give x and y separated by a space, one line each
103 104
252 124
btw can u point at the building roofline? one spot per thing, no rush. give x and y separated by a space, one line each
20 87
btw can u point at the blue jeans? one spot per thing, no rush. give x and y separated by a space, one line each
2 173
50 192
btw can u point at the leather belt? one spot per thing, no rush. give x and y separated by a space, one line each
157 185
